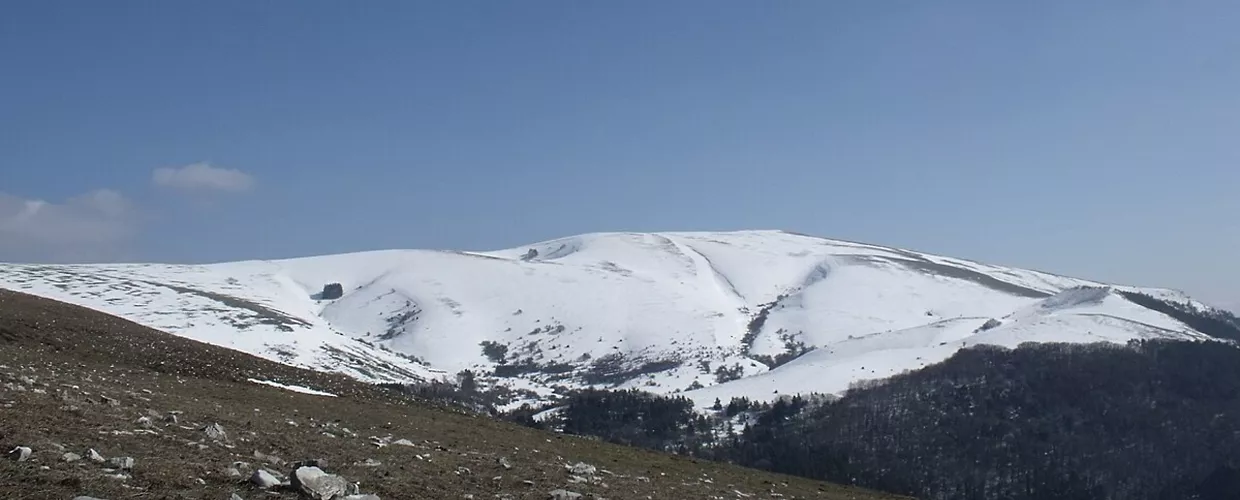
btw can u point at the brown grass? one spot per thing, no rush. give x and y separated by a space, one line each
75 356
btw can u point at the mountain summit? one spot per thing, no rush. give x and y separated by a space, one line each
710 314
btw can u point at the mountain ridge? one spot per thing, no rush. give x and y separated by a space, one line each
667 312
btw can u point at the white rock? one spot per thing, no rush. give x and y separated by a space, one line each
583 469
20 453
264 479
313 483
122 463
94 456
70 457
564 495
216 432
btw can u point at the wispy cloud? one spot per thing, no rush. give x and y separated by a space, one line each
203 177
95 226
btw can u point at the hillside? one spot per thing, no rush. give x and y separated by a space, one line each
197 420
1151 420
713 315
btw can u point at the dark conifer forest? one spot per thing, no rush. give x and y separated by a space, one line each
1153 420
1150 420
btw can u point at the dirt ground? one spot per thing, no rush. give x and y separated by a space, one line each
73 380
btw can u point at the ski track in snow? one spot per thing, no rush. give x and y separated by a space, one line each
649 300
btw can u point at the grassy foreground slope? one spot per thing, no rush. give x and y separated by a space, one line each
73 379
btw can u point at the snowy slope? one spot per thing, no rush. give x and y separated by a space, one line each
665 312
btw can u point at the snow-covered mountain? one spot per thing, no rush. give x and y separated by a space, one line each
752 313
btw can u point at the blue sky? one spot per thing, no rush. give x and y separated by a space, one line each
1098 139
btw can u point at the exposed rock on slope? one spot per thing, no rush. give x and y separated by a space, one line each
75 379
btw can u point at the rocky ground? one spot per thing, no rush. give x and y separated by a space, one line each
94 406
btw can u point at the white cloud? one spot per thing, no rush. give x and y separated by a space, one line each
203 176
91 227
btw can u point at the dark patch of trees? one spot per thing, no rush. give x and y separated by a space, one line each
1215 323
793 349
728 373
1152 420
332 291
494 351
525 366
614 369
465 393
629 417
758 320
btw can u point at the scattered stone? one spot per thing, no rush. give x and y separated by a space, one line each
577 480
403 442
463 471
361 497
564 495
20 454
109 401
264 479
57 446
171 418
200 481
86 498
122 463
235 497
527 482
503 462
232 472
312 482
369 462
70 457
145 422
271 459
353 489
216 432
94 456
583 469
